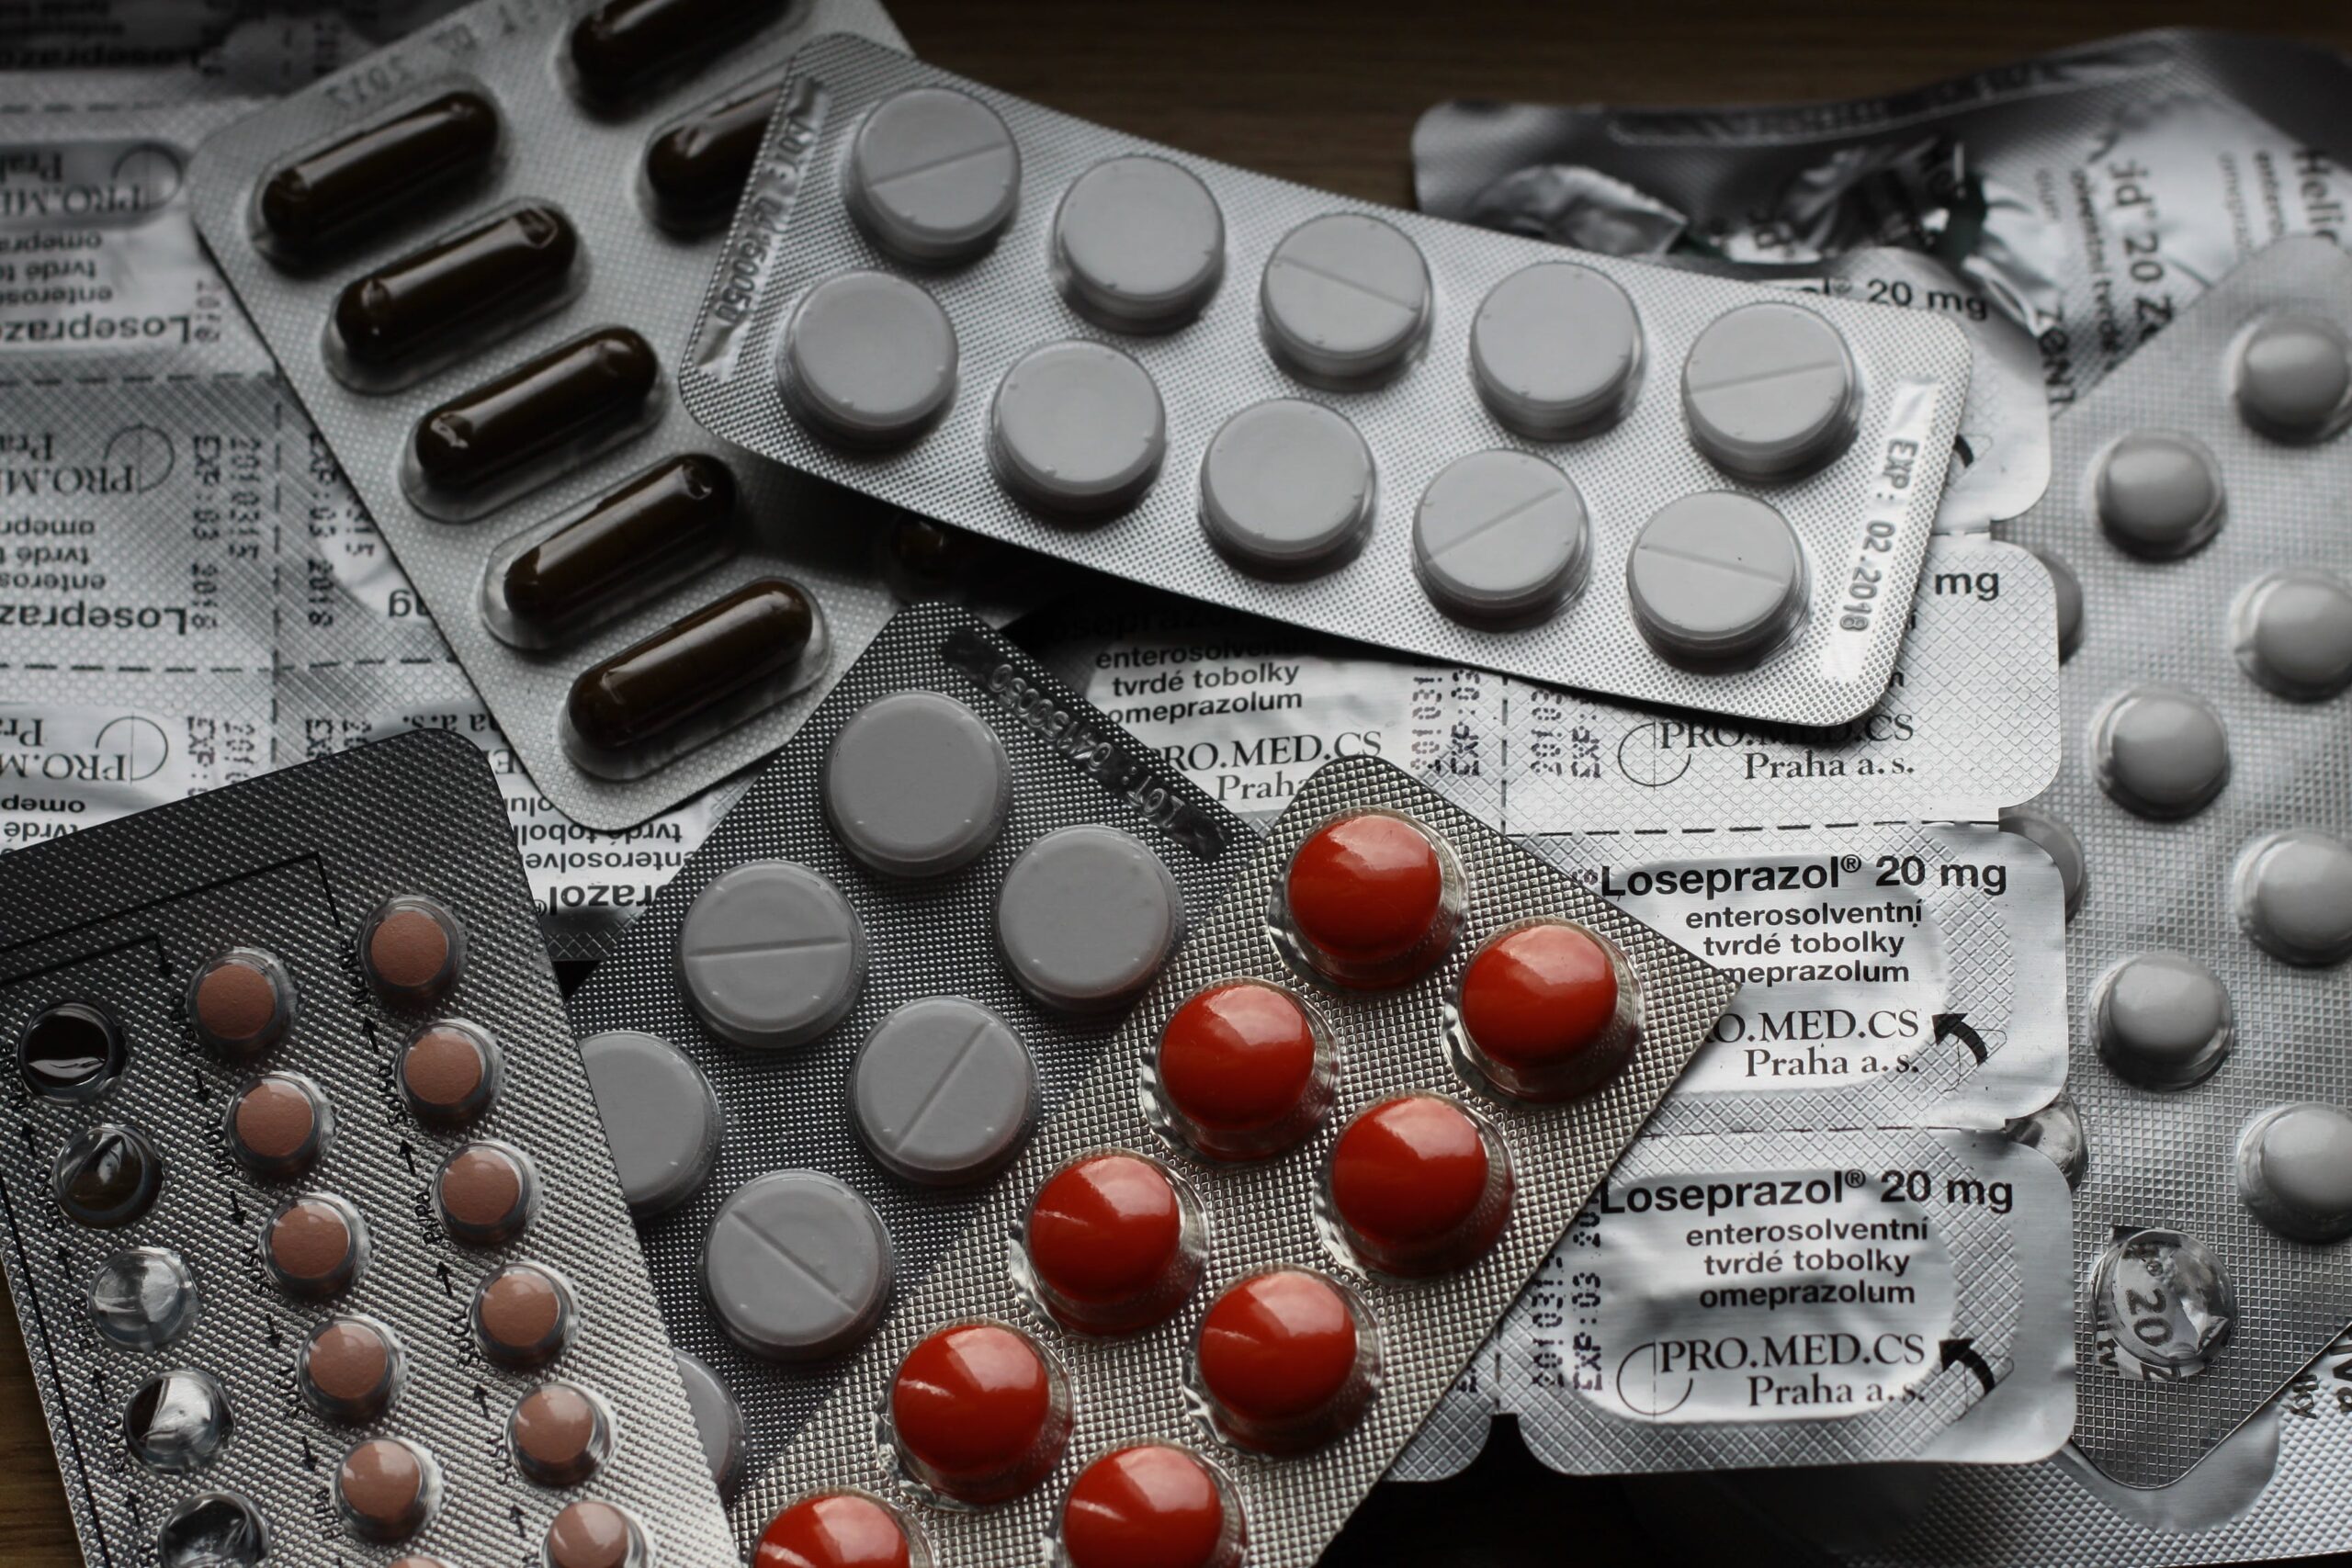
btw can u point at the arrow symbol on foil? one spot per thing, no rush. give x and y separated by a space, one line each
443 1269
1964 1352
1955 1026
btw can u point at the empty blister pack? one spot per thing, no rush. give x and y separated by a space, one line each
1357 420
1226 1282
907 941
2199 815
470 254
312 1237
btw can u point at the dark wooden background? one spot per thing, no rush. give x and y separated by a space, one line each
1326 93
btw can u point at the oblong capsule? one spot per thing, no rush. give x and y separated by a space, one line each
697 168
653 529
623 46
328 197
715 667
573 393
482 279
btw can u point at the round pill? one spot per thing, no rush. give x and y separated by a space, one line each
662 1121
1077 427
2294 896
917 784
177 1421
2057 1131
486 1192
387 1487
1500 536
978 1412
143 1298
869 359
1150 1507
837 1529
1085 918
523 1314
943 1092
2158 493
1770 391
561 1434
1283 1361
212 1529
1543 1012
2067 590
933 176
1106 1242
2059 843
1139 244
2294 1171
1245 1069
1716 578
1367 899
241 1002
1345 300
2293 631
279 1125
106 1175
593 1534
718 1422
1419 1185
2162 1020
798 1266
1287 489
73 1051
772 955
449 1072
2294 379
411 950
1556 351
348 1369
2160 751
315 1244
2164 1301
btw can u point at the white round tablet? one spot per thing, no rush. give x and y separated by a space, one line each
772 955
2157 493
2294 1169
2292 632
718 1422
1500 536
1139 244
2293 893
2162 1020
916 784
1556 351
1771 391
869 360
2059 844
1085 918
798 1266
933 176
1287 489
943 1092
2160 751
1345 300
2294 379
1716 578
2068 589
1077 427
662 1121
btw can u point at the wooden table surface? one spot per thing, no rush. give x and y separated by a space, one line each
1326 93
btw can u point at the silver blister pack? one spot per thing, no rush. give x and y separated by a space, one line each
1275 1230
1340 336
245 1167
2202 803
936 935
563 170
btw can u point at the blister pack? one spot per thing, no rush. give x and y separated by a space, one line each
2200 816
312 1235
1354 419
1227 1281
468 253
244 48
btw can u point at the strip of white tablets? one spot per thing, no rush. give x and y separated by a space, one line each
2294 379
1139 244
718 1422
2294 896
1770 391
1556 351
772 955
1287 489
916 784
662 1121
798 1266
943 1092
1500 536
869 360
1716 578
2293 631
2068 590
1077 427
1085 918
1345 300
933 176
2059 844
2295 1172
2162 1020
2160 751
2158 493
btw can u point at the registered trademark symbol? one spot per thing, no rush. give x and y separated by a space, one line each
1849 862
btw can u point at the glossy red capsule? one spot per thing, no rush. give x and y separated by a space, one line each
1419 1185
979 1414
1107 1244
1244 1069
1366 897
1539 1009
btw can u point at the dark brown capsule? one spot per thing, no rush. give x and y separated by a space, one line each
494 271
754 638
697 167
320 201
655 527
576 392
624 46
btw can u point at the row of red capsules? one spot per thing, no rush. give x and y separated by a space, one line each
1221 1288
315 1245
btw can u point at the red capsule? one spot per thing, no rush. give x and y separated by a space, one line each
1538 1008
1418 1187
1244 1069
1366 896
1283 1362
1107 1246
979 1414
837 1529
1150 1507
